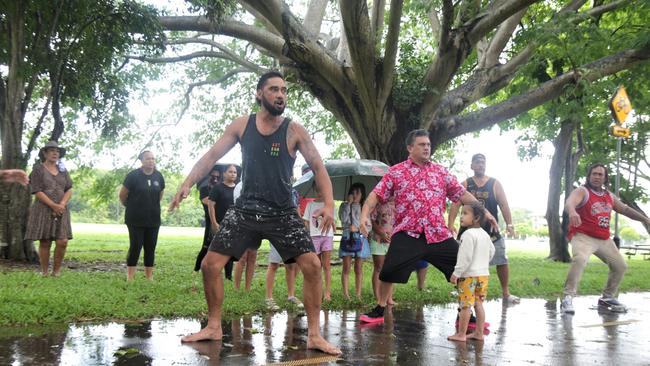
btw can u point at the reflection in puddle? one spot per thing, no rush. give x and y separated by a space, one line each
531 332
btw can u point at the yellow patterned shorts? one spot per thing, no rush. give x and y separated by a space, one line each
470 289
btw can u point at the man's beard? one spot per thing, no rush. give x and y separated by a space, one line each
272 108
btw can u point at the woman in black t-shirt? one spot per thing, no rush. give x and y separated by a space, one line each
221 199
214 178
141 193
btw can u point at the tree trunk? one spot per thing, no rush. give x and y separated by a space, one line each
14 199
558 244
14 208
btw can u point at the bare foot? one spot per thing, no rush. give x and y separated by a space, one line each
476 336
346 296
56 274
391 302
320 344
205 334
327 298
457 337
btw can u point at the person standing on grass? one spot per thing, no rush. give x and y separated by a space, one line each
49 218
490 192
265 209
141 194
589 208
220 200
383 219
290 271
472 271
322 243
349 214
420 188
214 178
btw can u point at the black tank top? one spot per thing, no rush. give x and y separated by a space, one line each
485 195
267 169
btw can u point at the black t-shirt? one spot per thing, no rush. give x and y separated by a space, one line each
204 192
222 196
143 201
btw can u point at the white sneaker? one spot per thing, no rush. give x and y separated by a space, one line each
271 305
295 301
567 305
511 299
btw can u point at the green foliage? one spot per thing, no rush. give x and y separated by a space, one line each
95 198
215 10
629 234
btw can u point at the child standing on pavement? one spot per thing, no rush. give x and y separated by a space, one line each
323 242
472 271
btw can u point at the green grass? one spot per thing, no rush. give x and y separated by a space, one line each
28 299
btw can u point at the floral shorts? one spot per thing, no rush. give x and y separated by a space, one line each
470 289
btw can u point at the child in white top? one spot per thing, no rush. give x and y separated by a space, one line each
323 243
472 271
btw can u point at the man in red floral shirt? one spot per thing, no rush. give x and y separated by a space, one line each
421 189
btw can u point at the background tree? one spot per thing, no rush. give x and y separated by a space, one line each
384 70
58 65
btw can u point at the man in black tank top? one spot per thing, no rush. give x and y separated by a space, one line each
264 209
490 192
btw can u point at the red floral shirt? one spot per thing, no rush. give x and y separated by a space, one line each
420 197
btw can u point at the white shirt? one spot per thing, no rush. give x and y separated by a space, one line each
476 250
315 222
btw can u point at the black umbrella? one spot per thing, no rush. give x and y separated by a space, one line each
343 173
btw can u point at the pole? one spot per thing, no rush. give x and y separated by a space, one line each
617 186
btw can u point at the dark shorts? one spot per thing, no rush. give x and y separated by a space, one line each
240 231
405 251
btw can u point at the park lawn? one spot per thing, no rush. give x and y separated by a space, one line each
82 295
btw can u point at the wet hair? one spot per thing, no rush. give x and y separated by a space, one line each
263 79
591 168
141 155
360 187
478 156
410 138
478 211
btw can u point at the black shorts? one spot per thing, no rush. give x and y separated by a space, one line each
405 251
240 231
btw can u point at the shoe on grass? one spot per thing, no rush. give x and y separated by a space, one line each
271 305
294 300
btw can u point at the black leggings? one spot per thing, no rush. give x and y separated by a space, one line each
139 237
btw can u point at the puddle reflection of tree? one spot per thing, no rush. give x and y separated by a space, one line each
137 330
35 350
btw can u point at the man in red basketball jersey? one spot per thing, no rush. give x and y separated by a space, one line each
589 208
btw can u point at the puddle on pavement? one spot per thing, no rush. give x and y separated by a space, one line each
533 332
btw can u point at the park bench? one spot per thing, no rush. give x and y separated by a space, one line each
643 249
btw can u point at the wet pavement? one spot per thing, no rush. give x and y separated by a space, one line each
532 332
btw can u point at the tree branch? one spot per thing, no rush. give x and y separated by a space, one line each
314 16
447 128
230 55
270 9
390 52
377 20
235 29
500 40
262 19
190 56
361 45
486 21
447 20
